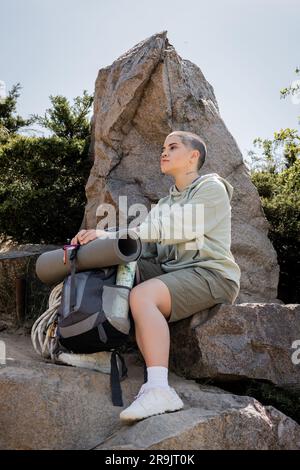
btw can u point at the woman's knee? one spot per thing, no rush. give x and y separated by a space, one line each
138 295
152 291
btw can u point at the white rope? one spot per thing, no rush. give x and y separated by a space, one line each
40 337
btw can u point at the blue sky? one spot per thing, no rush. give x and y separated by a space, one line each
247 49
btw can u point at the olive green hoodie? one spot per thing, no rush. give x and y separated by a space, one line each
202 211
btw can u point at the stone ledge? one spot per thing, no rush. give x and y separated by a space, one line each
240 341
47 406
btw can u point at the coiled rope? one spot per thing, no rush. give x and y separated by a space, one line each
41 332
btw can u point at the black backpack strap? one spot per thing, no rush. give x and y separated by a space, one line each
101 332
72 286
116 391
73 257
124 368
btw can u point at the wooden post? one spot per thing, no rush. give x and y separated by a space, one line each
20 299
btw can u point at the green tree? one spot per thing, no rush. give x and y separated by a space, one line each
42 179
42 188
277 178
65 120
283 150
10 121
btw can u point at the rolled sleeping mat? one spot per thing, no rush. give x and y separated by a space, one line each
53 266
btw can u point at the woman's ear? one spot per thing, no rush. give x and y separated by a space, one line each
195 155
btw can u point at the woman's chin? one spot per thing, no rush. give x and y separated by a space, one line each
165 171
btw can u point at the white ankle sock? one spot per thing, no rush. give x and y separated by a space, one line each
157 377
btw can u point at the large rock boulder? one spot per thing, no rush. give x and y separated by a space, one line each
47 406
214 420
144 95
237 342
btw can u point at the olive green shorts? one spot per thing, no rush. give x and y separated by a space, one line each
191 289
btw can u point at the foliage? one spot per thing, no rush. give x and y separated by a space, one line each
65 120
277 178
42 188
280 197
42 180
10 122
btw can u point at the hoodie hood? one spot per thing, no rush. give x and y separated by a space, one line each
209 177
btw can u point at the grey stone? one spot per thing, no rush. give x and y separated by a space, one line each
236 342
46 406
139 99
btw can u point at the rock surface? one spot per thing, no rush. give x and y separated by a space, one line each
231 342
213 421
46 406
144 95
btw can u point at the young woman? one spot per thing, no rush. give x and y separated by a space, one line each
186 264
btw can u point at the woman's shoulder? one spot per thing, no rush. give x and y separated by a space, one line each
213 183
163 200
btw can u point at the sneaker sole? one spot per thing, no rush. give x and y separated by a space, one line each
130 419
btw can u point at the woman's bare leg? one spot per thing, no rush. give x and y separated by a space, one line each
138 338
150 304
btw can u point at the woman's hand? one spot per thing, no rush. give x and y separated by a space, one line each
85 236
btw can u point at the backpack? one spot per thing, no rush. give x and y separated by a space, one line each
94 316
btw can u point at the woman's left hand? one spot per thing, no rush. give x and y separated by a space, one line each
85 236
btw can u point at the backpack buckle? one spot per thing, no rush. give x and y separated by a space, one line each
75 247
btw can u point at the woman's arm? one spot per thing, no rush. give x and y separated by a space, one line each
182 223
176 224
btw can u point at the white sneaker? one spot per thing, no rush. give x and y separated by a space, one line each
152 401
